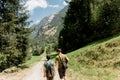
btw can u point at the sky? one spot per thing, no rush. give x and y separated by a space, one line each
38 9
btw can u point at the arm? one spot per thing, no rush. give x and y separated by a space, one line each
67 59
54 69
44 70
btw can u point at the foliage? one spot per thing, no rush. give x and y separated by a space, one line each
14 42
76 25
87 21
107 19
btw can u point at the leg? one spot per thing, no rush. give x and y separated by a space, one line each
60 71
49 78
64 73
65 78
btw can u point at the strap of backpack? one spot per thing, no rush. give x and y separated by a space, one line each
60 59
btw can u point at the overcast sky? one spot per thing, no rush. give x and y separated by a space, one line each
40 8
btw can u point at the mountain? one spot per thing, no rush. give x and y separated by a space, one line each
47 30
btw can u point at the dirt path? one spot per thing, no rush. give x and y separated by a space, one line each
14 76
36 72
33 73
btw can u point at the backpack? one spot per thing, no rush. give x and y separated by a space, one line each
49 68
64 64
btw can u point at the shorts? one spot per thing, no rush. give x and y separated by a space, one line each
61 72
49 78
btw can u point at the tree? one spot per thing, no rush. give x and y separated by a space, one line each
87 21
76 25
107 19
13 34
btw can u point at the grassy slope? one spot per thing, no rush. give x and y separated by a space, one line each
97 61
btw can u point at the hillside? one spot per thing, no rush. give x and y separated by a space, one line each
97 61
47 30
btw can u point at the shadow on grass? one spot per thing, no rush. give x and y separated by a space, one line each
106 39
102 40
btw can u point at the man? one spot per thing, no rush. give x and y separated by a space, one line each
49 68
59 59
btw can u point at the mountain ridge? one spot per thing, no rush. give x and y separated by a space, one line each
47 30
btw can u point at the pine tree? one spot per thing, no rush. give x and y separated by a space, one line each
76 25
87 21
108 17
13 34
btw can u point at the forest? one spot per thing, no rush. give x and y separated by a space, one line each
87 21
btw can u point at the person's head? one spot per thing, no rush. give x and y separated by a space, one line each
48 56
59 50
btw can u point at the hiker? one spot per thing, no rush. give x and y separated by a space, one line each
60 58
49 68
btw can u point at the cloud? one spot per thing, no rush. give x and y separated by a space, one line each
64 3
37 21
32 4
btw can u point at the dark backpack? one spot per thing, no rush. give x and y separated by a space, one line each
64 64
49 68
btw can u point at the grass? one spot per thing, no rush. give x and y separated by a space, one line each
27 64
53 55
32 61
97 61
35 59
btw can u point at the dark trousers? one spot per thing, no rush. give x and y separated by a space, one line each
49 78
61 72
